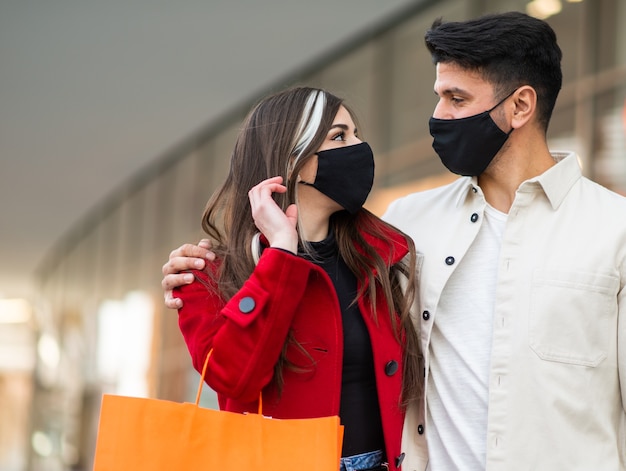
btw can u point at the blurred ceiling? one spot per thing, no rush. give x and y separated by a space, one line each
92 91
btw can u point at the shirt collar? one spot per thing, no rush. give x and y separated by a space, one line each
555 182
558 179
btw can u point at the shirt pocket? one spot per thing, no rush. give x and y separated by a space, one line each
571 316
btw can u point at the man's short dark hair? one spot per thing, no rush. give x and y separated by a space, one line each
508 49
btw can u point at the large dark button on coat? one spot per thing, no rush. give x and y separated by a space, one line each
391 368
420 429
449 260
474 217
425 315
246 305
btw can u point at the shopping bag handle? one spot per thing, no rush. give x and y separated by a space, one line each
206 363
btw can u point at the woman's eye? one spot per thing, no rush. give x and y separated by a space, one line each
339 137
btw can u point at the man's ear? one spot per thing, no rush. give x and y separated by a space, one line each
524 106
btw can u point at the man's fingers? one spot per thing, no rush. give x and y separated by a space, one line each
188 250
171 302
178 264
169 282
202 250
205 244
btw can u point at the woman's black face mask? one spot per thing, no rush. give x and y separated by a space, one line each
345 175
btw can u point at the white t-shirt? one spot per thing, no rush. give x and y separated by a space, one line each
460 351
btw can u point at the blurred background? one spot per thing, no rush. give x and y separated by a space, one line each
117 119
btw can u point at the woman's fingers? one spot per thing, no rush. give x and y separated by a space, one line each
278 227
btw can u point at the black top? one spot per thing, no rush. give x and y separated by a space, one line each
359 410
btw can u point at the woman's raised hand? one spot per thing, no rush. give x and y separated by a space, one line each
277 226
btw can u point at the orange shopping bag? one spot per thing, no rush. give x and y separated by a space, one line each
152 435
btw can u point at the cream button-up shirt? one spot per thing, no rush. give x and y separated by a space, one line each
557 385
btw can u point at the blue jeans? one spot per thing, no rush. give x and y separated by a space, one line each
362 461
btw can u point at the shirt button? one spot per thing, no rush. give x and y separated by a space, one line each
246 305
391 368
420 429
449 260
474 189
425 315
474 217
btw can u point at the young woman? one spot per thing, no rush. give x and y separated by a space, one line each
308 301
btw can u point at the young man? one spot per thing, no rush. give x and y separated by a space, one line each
523 302
522 287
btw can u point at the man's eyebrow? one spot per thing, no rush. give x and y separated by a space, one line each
449 91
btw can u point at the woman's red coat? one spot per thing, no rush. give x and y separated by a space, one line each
248 332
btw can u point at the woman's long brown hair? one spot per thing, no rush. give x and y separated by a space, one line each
269 144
